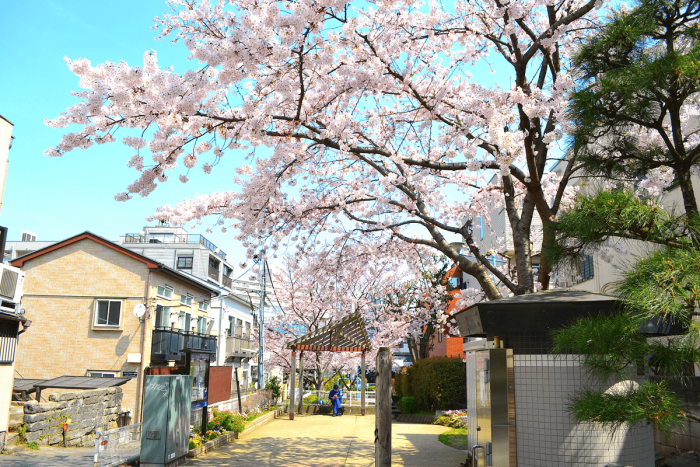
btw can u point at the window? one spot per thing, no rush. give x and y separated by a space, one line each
201 325
109 313
185 321
586 267
230 325
239 328
162 316
247 330
227 271
165 292
102 374
184 262
204 306
214 263
186 299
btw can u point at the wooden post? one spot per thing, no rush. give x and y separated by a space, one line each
301 383
292 380
363 383
382 433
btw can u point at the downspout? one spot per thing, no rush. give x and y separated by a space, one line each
220 337
142 364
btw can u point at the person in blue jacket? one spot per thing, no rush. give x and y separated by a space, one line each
336 398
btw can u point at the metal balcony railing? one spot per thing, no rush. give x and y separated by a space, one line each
175 238
227 281
168 343
213 273
239 346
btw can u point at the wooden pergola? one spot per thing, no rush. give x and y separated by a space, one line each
347 335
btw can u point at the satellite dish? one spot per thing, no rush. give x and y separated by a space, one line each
139 310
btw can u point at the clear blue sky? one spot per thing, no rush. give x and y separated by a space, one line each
59 197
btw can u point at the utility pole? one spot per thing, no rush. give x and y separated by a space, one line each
261 323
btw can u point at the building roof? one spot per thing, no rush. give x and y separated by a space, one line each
347 335
7 120
536 312
148 262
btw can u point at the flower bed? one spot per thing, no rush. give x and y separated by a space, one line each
226 426
453 419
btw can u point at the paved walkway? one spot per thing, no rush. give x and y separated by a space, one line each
308 441
325 441
50 457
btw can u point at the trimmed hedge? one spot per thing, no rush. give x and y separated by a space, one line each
436 383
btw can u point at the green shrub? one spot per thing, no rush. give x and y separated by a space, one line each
409 405
33 446
273 385
435 383
193 445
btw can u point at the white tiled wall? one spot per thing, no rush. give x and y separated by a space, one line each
546 434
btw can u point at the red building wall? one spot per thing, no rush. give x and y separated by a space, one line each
219 384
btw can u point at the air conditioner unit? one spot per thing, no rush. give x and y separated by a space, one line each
11 287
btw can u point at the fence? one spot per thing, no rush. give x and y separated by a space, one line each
118 446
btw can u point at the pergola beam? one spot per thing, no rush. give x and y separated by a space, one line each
328 348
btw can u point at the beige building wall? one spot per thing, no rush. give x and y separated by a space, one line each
61 290
6 380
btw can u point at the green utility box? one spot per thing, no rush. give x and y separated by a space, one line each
166 420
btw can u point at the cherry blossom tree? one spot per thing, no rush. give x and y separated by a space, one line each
356 119
325 286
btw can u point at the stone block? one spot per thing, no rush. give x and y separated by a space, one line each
37 417
111 410
92 400
33 436
67 396
55 439
37 426
53 431
39 407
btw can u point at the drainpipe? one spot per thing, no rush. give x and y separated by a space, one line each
219 337
142 365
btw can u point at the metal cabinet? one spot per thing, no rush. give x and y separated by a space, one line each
491 406
166 420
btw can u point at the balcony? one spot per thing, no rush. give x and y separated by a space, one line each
213 273
227 282
175 238
168 344
239 346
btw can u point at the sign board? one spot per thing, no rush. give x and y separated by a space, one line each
199 405
129 374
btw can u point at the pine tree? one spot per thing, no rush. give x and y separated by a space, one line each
635 113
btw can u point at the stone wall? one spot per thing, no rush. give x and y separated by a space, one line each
85 413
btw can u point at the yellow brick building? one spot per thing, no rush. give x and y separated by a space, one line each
80 295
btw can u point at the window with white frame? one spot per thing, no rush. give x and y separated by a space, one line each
204 305
185 319
186 299
162 316
165 292
108 313
201 325
102 374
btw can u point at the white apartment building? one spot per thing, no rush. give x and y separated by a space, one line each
234 314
